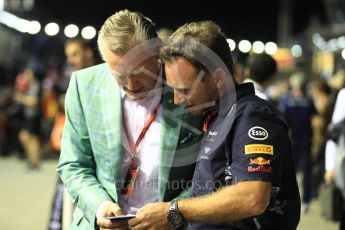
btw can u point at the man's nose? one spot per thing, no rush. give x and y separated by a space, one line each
131 83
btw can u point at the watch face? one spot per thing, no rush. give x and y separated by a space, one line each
175 218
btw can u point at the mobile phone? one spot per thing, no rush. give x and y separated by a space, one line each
122 217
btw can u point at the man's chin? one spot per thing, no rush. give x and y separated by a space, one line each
136 96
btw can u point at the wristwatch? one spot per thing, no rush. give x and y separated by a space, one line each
175 217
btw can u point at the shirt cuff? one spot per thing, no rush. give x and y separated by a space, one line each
101 207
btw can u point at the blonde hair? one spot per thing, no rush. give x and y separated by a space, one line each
123 30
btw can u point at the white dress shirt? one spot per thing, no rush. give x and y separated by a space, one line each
338 116
136 114
148 152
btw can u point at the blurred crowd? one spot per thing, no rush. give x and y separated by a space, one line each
32 105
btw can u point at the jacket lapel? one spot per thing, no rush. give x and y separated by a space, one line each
170 131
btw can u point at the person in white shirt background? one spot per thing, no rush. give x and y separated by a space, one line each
332 147
261 70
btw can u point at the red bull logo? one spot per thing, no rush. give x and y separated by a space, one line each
262 165
259 168
260 161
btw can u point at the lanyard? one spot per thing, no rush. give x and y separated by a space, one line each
133 170
149 121
208 120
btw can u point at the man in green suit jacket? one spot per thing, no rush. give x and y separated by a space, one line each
102 104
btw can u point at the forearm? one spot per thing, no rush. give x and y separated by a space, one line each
83 186
77 166
228 204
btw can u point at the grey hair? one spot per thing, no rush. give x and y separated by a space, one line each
123 30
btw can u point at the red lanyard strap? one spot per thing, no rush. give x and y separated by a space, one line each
149 121
208 121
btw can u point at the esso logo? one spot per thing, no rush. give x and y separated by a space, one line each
258 133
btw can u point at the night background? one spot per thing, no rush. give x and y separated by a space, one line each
244 19
251 20
284 22
240 19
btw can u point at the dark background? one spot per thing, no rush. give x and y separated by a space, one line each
240 19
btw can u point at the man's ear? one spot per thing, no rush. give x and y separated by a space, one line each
219 77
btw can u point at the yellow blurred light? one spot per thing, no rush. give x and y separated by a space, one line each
258 47
88 32
52 29
244 46
232 44
271 48
34 27
71 31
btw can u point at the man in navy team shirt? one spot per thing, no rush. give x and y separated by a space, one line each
244 176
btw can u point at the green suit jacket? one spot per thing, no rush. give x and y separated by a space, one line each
90 164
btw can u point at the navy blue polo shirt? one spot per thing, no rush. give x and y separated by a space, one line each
248 141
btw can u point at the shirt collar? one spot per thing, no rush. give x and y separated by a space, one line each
256 85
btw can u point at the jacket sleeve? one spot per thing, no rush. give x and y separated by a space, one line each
76 166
